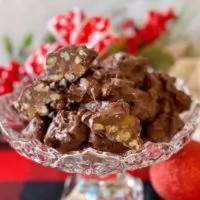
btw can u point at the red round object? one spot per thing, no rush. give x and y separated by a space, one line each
179 177
4 74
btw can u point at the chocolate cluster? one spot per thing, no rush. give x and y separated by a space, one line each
112 105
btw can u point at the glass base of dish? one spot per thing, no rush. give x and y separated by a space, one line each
111 187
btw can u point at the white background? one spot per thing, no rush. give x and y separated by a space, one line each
21 16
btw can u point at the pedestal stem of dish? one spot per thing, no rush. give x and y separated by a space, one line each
119 186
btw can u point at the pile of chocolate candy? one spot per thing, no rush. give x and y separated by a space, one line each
112 105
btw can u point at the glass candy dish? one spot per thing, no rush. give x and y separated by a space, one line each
97 179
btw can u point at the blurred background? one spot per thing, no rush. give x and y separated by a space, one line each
22 16
180 47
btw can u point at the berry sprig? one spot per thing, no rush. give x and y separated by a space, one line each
10 76
14 72
35 64
75 27
137 37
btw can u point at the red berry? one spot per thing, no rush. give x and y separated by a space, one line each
170 15
1 70
5 88
129 23
132 45
75 28
10 77
152 29
4 74
14 66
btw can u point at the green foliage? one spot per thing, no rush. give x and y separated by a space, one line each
8 46
26 43
27 40
119 47
49 38
157 56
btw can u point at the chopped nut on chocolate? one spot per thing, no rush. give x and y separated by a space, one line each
66 132
103 144
35 100
117 125
36 129
70 62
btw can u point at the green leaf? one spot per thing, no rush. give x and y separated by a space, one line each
27 40
119 47
49 38
158 58
8 46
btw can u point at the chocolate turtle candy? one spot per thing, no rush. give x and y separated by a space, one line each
66 132
144 105
35 100
163 128
163 88
115 123
126 66
179 99
70 63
